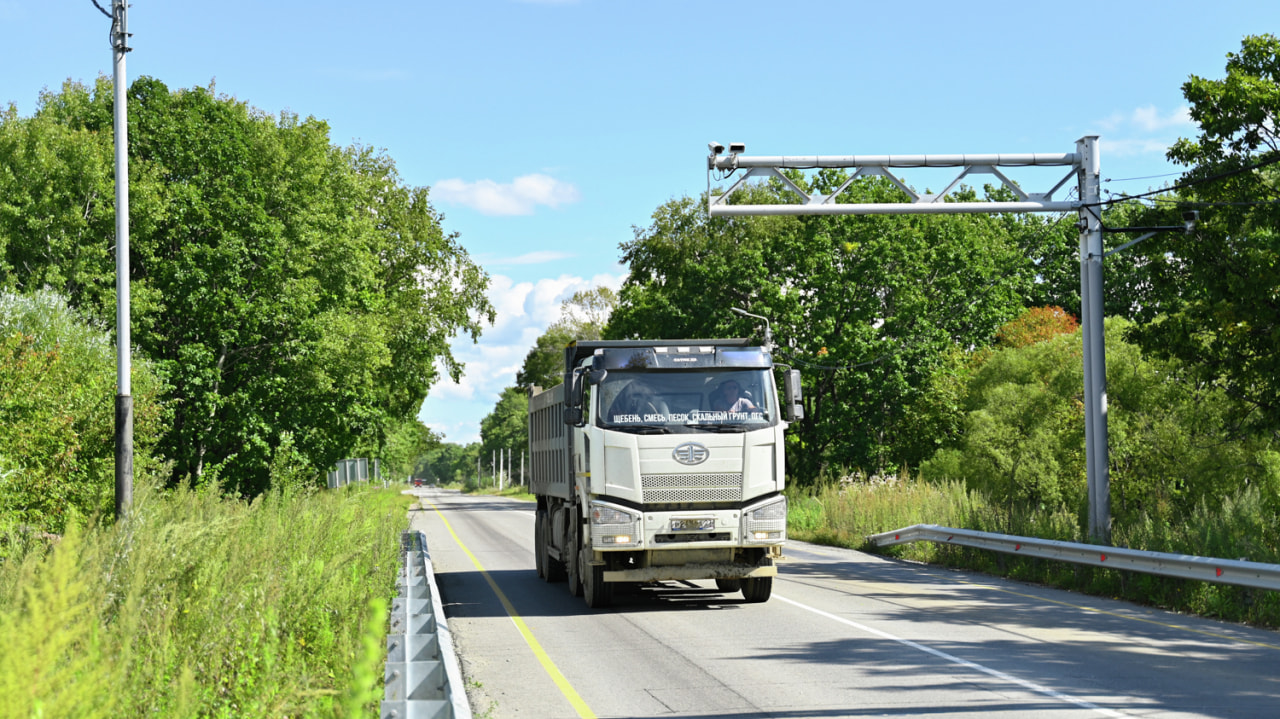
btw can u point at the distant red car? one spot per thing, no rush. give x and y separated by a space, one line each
417 482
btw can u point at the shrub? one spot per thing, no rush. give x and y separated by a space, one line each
57 414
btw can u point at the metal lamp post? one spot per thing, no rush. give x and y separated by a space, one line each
124 391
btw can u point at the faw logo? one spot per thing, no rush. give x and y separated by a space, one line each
690 453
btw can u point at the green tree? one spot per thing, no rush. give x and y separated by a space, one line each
449 462
1226 325
57 194
582 317
869 307
1173 445
406 448
281 284
506 427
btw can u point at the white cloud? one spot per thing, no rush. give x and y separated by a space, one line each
524 311
1149 119
518 197
1144 130
1130 147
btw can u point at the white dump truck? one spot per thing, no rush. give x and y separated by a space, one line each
661 460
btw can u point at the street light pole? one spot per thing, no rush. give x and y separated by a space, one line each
768 333
124 389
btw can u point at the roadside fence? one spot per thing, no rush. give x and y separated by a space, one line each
1238 572
346 471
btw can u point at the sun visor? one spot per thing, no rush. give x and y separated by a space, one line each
690 357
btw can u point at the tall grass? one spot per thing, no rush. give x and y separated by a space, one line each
844 514
200 605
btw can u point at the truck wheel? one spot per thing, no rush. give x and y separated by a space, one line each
540 544
728 585
757 590
595 590
552 569
570 553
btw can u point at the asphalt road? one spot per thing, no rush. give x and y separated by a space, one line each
845 634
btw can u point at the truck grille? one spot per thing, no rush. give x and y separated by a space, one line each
658 488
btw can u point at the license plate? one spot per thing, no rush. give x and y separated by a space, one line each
693 525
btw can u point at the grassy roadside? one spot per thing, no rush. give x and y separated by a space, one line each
517 491
206 606
844 515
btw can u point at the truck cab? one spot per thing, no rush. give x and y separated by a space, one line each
661 460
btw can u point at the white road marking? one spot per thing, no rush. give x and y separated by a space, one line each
1032 686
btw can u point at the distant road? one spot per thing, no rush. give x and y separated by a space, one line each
846 634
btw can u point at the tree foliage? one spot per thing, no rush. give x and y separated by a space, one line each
57 430
280 283
1225 324
1173 444
449 462
582 317
1036 325
406 448
506 428
870 308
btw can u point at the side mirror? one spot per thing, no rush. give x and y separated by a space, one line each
794 409
573 388
573 392
596 376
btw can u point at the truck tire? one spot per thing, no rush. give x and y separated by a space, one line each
728 585
756 590
540 544
549 568
597 592
572 550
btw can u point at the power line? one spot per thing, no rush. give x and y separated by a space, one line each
1191 183
1144 177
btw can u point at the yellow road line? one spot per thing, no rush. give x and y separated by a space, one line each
579 705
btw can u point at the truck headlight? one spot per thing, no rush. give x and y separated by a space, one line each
613 526
765 523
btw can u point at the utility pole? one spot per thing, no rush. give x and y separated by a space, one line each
1097 467
124 386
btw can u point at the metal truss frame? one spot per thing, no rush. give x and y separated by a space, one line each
879 166
1083 164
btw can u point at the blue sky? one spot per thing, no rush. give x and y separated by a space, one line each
548 129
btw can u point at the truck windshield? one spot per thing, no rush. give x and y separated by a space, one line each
713 400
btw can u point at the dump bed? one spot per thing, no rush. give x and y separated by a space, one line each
551 470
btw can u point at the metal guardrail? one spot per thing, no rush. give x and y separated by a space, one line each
1207 569
423 677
